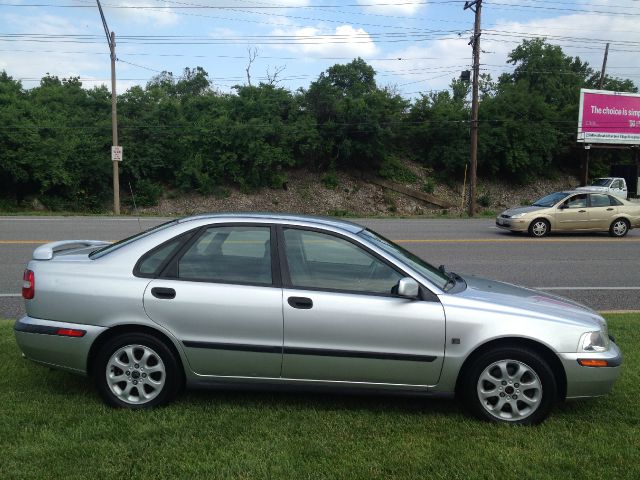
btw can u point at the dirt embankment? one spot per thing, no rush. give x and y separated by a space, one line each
349 195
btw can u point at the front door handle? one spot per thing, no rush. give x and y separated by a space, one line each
163 293
582 211
302 303
609 209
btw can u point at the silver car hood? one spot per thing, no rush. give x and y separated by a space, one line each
531 303
514 211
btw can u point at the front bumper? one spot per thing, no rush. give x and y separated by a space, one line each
583 382
515 225
38 341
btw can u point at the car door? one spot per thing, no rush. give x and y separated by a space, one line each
619 188
572 214
341 321
601 211
221 297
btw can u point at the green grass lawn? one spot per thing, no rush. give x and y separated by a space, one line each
53 425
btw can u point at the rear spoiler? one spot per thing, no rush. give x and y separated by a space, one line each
47 251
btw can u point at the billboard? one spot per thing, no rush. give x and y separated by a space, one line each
609 117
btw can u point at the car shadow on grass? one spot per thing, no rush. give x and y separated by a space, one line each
322 400
69 391
64 385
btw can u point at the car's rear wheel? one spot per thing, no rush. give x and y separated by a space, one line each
510 385
539 228
619 228
136 370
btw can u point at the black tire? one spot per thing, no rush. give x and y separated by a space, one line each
619 227
539 228
519 410
157 381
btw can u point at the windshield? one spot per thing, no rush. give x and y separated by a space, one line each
601 182
125 241
550 200
425 269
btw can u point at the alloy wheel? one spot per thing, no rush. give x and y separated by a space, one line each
539 228
509 390
619 228
135 374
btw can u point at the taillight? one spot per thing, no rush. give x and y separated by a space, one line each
70 332
28 285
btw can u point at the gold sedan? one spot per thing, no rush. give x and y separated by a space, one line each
573 211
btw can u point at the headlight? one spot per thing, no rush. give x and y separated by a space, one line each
595 341
519 215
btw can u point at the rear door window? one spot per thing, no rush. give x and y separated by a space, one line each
600 200
239 254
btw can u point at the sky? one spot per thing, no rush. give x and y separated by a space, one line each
415 46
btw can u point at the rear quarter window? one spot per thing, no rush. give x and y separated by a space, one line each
150 262
614 202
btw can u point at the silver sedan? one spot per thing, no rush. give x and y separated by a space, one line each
298 301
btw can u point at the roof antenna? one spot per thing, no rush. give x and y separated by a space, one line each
133 197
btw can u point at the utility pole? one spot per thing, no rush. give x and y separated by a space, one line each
111 40
587 148
604 66
476 7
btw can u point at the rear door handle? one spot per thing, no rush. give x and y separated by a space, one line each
581 211
609 209
302 303
163 293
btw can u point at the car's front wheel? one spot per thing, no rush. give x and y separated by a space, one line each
539 228
136 370
510 385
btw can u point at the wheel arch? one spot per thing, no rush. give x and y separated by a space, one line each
514 342
547 218
112 332
625 217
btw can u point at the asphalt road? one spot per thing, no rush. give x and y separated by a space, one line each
596 270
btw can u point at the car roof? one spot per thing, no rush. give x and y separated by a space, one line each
279 218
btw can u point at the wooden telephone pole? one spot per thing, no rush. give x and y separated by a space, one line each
587 148
115 157
476 7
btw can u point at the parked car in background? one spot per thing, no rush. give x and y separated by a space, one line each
294 301
616 186
572 211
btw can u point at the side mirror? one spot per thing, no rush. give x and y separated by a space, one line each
408 288
562 207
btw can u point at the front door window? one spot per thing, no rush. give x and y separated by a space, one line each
321 261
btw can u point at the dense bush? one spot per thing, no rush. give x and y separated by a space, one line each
178 133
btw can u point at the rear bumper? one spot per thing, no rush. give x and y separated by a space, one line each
583 382
39 342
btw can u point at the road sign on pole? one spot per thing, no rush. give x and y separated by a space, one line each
116 153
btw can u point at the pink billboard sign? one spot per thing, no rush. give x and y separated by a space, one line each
609 117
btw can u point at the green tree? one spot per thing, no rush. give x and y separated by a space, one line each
357 121
529 124
438 126
18 138
518 133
